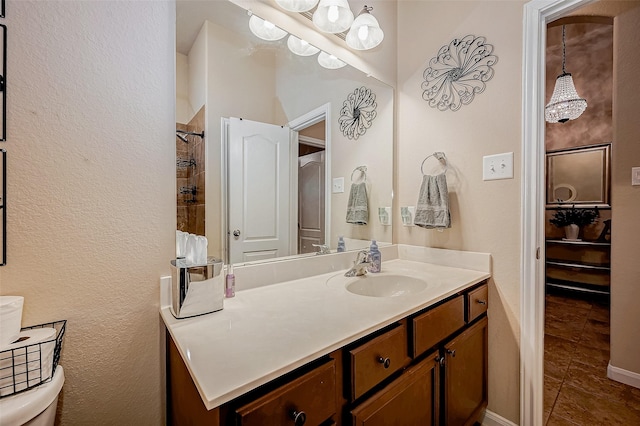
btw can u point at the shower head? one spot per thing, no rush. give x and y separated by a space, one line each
180 134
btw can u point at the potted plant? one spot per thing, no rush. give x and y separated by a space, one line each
573 219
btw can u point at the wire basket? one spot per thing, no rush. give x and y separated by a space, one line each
25 367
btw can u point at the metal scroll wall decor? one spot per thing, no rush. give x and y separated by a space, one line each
459 71
357 113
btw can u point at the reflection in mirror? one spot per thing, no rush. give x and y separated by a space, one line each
579 176
277 167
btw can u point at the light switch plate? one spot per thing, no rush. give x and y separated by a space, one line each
635 176
338 185
498 166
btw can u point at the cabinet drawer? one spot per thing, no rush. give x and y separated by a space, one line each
477 302
312 396
409 400
436 324
377 359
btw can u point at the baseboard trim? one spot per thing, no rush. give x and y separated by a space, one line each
623 376
493 419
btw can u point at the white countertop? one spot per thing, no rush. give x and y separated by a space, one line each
265 332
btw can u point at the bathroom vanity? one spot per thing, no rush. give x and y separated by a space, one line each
317 351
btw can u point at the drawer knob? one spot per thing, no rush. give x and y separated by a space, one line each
299 417
482 302
452 352
386 362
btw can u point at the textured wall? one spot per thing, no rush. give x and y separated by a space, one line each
625 230
91 185
485 215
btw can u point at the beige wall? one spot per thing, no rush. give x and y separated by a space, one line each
373 149
91 195
485 215
625 233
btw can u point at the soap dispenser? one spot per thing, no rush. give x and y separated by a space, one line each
375 258
341 246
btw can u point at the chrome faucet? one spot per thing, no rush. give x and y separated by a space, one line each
360 265
322 248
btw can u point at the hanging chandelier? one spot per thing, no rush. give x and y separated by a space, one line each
565 103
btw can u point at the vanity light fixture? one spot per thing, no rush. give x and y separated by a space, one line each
264 29
333 16
297 5
301 47
329 61
365 32
565 103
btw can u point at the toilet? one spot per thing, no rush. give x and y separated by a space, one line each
35 407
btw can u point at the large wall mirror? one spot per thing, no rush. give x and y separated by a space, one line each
579 176
272 173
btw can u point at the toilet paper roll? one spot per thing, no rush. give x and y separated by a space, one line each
28 361
10 319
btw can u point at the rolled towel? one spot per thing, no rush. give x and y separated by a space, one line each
432 209
358 204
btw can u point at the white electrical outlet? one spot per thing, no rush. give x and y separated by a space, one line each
498 166
635 176
338 185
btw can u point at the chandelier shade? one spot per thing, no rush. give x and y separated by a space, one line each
333 16
565 103
265 29
329 61
301 47
297 5
365 32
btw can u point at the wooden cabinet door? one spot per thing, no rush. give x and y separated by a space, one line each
411 400
466 376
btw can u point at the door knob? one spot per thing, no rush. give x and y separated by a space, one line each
451 352
236 233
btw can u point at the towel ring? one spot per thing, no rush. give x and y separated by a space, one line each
440 156
362 170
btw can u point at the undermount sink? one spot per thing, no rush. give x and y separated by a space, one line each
385 285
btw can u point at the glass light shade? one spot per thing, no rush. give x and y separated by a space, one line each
565 104
330 61
297 5
301 47
265 29
333 16
365 32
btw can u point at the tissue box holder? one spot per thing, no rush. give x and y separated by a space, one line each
196 289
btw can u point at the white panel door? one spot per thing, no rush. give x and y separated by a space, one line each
259 190
311 196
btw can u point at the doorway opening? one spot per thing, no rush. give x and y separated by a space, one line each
311 159
311 188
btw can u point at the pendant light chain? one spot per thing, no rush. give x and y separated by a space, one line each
563 52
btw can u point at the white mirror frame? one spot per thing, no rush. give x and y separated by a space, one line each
537 13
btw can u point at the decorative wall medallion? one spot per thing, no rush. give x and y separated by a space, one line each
357 113
459 71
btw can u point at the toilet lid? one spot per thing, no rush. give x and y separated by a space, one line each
24 406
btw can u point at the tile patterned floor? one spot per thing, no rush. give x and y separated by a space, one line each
576 354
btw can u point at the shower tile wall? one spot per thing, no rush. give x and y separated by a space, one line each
190 213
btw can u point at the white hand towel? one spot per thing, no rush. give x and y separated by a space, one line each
432 210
